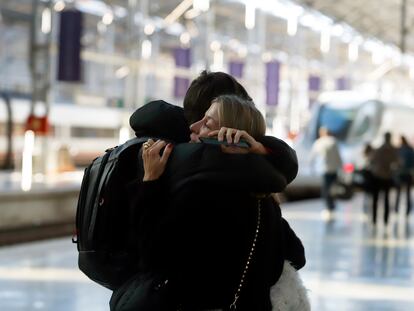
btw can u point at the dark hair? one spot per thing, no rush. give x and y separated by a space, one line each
206 87
404 141
387 137
367 149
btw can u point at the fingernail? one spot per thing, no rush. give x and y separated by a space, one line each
170 145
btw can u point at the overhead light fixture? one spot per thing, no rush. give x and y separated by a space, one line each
325 41
149 29
185 38
215 45
108 18
308 20
27 160
46 25
353 51
378 56
146 49
338 30
250 16
201 5
59 6
292 25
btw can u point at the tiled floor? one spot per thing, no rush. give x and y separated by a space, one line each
350 266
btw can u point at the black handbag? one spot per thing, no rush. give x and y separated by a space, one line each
153 292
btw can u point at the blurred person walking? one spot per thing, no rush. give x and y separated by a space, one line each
326 148
384 161
362 177
405 171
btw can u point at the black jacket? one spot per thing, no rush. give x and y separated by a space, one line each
200 234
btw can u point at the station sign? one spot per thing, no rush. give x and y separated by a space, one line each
38 124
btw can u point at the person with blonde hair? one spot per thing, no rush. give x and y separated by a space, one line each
217 241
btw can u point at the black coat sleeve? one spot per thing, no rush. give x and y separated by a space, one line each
147 204
294 250
282 156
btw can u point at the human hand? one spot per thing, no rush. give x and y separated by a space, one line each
154 164
233 136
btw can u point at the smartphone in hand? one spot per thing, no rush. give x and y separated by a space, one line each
214 141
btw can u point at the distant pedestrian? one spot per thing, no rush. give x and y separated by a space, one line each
405 171
363 176
326 148
383 164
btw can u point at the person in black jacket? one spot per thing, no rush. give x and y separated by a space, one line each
200 237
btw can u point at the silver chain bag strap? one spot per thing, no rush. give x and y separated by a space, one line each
233 306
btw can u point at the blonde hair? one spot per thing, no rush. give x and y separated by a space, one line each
241 114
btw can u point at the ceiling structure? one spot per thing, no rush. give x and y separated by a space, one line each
381 19
369 20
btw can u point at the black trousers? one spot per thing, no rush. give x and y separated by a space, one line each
328 180
405 181
380 185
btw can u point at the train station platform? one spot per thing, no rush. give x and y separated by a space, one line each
45 208
350 266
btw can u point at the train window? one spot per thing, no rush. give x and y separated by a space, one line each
337 121
364 125
77 131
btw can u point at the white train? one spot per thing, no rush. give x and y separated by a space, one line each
86 131
355 120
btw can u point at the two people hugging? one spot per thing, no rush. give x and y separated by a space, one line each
210 234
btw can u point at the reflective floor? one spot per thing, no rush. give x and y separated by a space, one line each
350 266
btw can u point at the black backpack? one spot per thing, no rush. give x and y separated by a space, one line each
105 240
